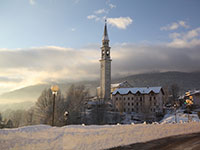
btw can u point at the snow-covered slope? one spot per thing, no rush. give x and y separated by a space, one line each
42 137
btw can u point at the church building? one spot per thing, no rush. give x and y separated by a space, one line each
104 93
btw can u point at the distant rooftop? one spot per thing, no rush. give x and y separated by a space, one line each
142 90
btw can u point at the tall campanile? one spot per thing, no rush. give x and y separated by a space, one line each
105 62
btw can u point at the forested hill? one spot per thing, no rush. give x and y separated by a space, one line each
185 81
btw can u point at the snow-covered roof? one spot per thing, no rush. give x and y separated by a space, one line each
142 90
189 93
195 92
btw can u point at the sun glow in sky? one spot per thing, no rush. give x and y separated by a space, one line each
59 40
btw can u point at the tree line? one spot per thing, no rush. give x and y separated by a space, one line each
41 112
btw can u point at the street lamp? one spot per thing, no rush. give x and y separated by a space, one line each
54 90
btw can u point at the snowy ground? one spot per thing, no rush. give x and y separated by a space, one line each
180 117
77 137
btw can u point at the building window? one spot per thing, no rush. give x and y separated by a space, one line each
132 109
132 104
150 98
137 103
116 98
154 103
128 98
128 110
128 104
132 98
140 99
154 97
124 110
124 98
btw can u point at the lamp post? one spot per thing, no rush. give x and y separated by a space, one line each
54 90
175 107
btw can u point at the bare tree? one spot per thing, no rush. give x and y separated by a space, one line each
29 117
120 106
17 118
174 92
43 108
75 99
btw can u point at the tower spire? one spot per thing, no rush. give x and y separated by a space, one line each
105 61
105 35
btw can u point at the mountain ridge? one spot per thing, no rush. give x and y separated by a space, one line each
185 81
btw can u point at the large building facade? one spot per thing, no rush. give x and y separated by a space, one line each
105 68
146 101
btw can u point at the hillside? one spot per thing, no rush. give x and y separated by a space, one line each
185 81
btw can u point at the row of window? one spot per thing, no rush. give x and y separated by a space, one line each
137 104
137 110
132 98
128 98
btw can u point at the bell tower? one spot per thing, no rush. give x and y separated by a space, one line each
105 62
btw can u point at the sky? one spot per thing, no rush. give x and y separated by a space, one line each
44 41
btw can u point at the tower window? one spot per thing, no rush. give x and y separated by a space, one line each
107 52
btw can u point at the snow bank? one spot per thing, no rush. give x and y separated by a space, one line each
42 137
180 118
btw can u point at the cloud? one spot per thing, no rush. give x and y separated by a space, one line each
24 67
73 29
97 15
121 22
175 25
32 2
91 17
76 1
131 59
112 6
4 79
100 11
188 39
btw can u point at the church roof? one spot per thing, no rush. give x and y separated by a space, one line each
142 90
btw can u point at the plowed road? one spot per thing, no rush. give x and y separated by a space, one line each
180 142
